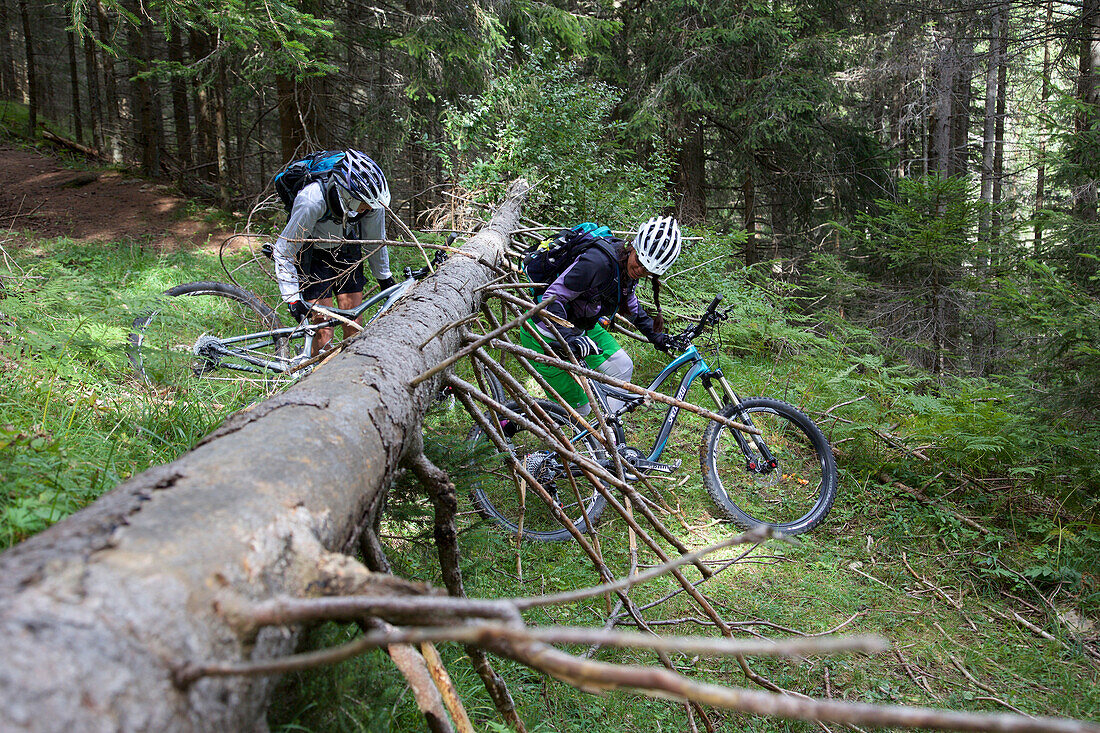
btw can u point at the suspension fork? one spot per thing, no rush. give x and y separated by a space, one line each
758 446
731 397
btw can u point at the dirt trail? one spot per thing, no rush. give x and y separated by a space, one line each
39 194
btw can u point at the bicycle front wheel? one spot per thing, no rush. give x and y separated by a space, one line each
783 478
504 497
167 343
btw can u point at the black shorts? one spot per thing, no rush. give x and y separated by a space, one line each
323 272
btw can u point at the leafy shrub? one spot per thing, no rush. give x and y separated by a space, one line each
544 122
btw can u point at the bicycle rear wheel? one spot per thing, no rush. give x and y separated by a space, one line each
513 504
166 344
784 478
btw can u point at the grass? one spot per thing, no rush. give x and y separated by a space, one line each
76 422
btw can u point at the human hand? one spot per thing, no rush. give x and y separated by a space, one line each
583 346
298 308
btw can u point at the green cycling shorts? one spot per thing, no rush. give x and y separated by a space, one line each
561 380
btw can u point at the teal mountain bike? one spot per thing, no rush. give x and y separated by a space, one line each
785 477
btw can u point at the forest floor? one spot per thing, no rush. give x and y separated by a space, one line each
82 250
42 194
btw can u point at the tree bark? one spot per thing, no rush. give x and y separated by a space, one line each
74 75
988 132
9 88
690 176
141 54
99 611
95 107
1040 173
32 84
1088 94
221 132
181 115
113 133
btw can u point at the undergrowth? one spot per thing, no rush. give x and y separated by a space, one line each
943 590
76 422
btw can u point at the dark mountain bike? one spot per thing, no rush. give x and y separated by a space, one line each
785 477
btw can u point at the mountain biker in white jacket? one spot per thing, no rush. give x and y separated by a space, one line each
311 259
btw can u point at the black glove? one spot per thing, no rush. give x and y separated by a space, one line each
583 346
661 342
298 309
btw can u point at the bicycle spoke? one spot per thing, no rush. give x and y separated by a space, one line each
784 477
512 503
181 341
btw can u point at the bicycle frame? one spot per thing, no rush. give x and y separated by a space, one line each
210 347
698 368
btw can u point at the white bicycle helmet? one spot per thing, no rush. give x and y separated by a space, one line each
358 180
658 244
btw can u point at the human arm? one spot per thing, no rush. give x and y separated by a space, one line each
637 315
372 227
309 207
577 292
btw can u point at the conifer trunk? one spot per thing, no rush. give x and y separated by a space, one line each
97 612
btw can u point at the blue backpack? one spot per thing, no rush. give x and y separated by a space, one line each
546 261
301 172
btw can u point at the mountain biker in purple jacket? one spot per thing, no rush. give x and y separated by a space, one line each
596 286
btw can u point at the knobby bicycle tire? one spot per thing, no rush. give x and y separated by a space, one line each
793 496
162 341
496 496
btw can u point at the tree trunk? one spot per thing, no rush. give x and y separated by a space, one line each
141 54
962 92
74 75
1085 196
748 189
95 107
32 84
988 132
690 175
291 133
181 116
97 612
204 116
999 131
113 133
9 88
221 133
1040 173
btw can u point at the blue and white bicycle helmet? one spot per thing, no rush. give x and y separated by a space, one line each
658 244
359 180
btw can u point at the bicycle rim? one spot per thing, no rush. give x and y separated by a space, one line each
796 494
165 341
504 497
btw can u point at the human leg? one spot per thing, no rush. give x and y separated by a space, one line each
378 257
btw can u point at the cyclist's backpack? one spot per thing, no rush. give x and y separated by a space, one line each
546 261
299 173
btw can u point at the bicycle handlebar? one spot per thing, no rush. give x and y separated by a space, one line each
423 272
710 317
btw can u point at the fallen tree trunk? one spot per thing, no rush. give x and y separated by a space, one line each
97 612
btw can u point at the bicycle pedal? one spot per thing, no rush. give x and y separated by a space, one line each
645 466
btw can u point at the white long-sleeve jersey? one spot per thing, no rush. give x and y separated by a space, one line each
305 226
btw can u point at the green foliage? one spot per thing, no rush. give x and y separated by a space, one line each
450 50
923 233
278 37
75 420
1058 322
545 122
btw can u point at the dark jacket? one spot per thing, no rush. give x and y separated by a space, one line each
594 287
